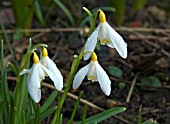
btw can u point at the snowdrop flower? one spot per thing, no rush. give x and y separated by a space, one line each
35 75
49 64
94 72
107 36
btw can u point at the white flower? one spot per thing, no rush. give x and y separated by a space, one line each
35 75
49 64
107 35
94 72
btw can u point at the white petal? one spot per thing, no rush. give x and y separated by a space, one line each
35 93
92 72
91 43
24 71
33 82
117 41
80 76
103 79
52 67
53 77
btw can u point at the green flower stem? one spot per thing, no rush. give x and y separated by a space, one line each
74 67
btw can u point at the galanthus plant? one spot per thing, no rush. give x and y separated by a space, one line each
24 104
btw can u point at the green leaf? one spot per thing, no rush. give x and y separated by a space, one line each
119 5
104 115
115 71
23 13
150 81
37 115
61 118
140 115
88 12
49 101
48 112
8 43
2 55
13 67
84 114
38 12
122 85
137 5
65 10
17 35
75 108
6 88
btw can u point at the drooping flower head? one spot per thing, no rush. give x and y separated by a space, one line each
94 72
107 36
35 75
49 64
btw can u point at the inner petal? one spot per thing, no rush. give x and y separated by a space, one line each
105 41
91 74
90 77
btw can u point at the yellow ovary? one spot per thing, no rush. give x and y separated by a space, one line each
94 57
91 78
44 52
35 58
105 41
102 16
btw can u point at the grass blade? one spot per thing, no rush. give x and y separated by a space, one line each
65 10
49 101
46 113
104 115
38 12
61 118
37 115
84 114
75 108
8 43
140 115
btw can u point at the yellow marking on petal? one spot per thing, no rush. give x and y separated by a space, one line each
94 57
91 78
102 16
44 52
105 41
35 58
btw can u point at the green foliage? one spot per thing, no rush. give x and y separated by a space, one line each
65 10
140 115
150 81
75 108
137 5
115 71
23 11
122 85
119 5
103 115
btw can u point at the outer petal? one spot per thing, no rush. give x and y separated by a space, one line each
53 77
52 67
35 93
117 41
80 76
91 43
33 82
103 79
24 71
